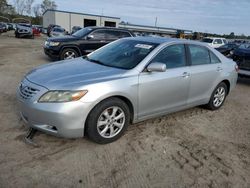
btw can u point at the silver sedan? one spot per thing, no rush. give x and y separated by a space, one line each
126 81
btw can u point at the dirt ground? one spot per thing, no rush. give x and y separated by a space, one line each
192 148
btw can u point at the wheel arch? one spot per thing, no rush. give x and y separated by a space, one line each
227 82
123 98
72 47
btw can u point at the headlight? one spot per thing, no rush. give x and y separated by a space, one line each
54 43
62 96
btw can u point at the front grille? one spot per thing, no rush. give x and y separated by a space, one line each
27 92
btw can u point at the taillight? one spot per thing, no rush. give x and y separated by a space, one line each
236 68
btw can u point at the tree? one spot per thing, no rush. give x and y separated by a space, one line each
232 36
37 10
48 4
28 6
5 8
23 6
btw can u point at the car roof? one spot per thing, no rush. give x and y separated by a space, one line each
111 28
162 40
157 40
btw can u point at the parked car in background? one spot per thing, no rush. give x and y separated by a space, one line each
36 30
227 49
57 32
75 29
38 27
24 30
83 42
10 26
241 56
128 80
1 28
4 27
50 27
214 42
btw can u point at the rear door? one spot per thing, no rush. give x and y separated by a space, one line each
205 71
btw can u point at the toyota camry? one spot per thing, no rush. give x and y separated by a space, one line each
124 82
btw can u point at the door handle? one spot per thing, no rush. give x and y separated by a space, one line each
185 75
103 41
219 69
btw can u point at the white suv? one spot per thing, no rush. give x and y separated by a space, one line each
215 42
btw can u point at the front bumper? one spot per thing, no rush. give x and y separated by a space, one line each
51 52
58 119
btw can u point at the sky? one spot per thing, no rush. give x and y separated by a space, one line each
213 16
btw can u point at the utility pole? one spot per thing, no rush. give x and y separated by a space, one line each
155 21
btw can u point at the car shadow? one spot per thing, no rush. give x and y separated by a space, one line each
244 80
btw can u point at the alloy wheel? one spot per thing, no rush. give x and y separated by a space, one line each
111 122
69 55
219 96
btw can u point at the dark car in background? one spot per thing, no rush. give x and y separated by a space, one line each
24 30
75 29
227 49
50 27
241 56
83 42
3 27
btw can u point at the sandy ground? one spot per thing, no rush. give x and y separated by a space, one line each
192 148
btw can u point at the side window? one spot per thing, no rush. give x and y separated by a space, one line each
124 34
225 42
199 55
214 58
173 56
111 34
217 41
99 34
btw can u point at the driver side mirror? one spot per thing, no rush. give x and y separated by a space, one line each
156 67
89 37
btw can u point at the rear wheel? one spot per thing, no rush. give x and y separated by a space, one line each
218 97
69 53
108 121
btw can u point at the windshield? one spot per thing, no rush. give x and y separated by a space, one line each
124 53
58 29
82 32
207 40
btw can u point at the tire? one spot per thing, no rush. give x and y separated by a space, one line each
71 52
221 91
114 112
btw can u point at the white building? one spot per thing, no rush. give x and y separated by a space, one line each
69 19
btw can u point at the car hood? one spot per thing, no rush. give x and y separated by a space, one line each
72 74
65 38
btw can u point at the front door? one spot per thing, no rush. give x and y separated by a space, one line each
161 92
95 40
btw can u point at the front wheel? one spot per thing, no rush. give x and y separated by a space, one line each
218 97
108 121
68 53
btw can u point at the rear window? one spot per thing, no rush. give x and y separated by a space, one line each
207 40
199 55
